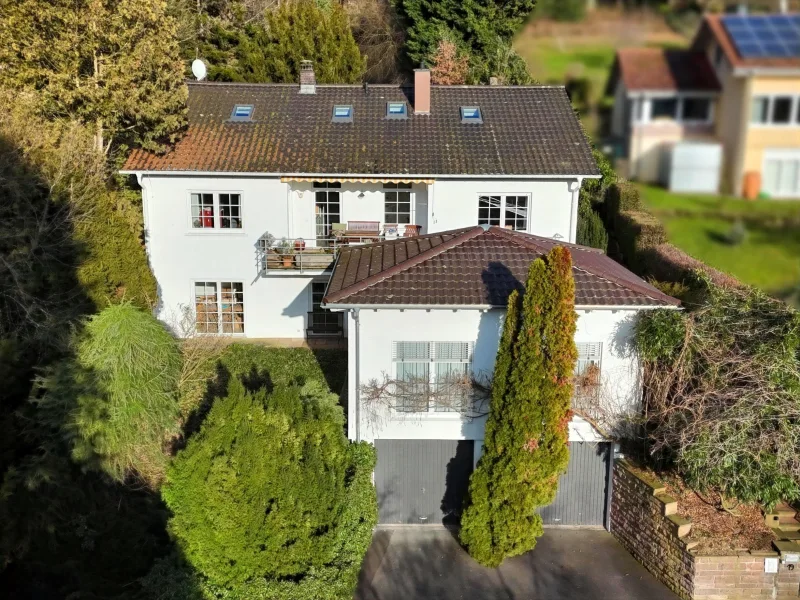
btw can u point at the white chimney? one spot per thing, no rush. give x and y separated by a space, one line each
308 81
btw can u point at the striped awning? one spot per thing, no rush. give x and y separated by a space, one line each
357 180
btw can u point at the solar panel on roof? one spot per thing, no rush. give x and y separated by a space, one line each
764 36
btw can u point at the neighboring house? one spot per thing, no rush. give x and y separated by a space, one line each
736 91
425 309
411 212
318 166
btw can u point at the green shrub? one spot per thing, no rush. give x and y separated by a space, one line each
561 10
579 91
591 231
526 437
636 231
623 196
270 500
115 403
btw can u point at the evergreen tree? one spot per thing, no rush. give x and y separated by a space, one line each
115 403
295 32
484 28
591 231
271 494
525 445
114 64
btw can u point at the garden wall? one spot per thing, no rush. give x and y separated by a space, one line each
645 521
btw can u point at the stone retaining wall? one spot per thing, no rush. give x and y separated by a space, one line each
644 519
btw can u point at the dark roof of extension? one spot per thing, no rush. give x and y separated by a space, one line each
526 130
475 266
668 70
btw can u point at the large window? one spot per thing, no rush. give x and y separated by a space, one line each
216 210
782 110
219 306
678 109
587 377
322 321
664 108
432 376
328 209
397 202
504 211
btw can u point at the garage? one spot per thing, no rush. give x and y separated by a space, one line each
424 482
781 174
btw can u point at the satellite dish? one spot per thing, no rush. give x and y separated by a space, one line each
199 69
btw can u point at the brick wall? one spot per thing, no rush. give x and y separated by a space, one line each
644 520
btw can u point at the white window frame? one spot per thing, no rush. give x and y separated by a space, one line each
431 361
412 202
503 208
589 353
219 309
217 227
645 115
794 111
781 155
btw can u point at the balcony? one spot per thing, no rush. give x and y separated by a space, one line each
325 323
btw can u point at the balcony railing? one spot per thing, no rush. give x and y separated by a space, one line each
325 323
304 254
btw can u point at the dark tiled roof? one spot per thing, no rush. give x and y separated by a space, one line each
475 267
526 130
712 27
669 70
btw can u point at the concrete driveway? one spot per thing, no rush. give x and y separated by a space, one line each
571 564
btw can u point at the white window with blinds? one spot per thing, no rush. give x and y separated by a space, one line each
431 377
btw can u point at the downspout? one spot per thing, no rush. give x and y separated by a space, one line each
574 188
612 453
357 398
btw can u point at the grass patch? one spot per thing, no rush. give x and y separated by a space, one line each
768 258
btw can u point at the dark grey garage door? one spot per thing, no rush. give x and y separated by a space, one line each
581 498
422 481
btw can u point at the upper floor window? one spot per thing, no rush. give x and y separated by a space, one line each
781 110
432 376
397 203
679 109
510 212
216 210
664 108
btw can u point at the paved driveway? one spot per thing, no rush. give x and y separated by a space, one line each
572 564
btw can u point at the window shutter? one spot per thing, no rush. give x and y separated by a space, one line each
411 351
452 351
589 353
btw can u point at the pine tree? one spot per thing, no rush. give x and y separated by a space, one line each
113 64
115 403
295 32
525 445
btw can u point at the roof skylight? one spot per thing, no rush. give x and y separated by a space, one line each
242 112
396 110
342 113
471 114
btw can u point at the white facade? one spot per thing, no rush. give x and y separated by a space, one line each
276 303
370 352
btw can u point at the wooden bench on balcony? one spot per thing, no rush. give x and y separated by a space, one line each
358 231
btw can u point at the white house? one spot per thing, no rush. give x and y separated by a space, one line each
321 166
292 212
425 308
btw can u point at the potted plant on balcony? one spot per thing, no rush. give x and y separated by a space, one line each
285 250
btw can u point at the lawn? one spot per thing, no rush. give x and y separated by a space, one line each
768 258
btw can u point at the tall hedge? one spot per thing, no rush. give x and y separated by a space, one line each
525 445
270 500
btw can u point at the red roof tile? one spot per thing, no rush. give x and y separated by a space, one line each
669 70
475 267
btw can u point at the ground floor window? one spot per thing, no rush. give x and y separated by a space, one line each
322 321
587 376
432 376
219 306
504 211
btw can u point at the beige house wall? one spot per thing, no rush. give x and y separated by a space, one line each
760 138
732 130
649 144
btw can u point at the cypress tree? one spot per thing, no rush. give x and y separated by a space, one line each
525 445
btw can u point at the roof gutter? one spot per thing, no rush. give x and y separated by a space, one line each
779 71
139 172
452 307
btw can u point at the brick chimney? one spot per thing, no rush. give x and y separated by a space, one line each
422 91
308 81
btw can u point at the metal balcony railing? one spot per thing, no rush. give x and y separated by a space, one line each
304 254
325 323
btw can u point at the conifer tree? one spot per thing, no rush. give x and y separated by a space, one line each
113 64
295 32
525 445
